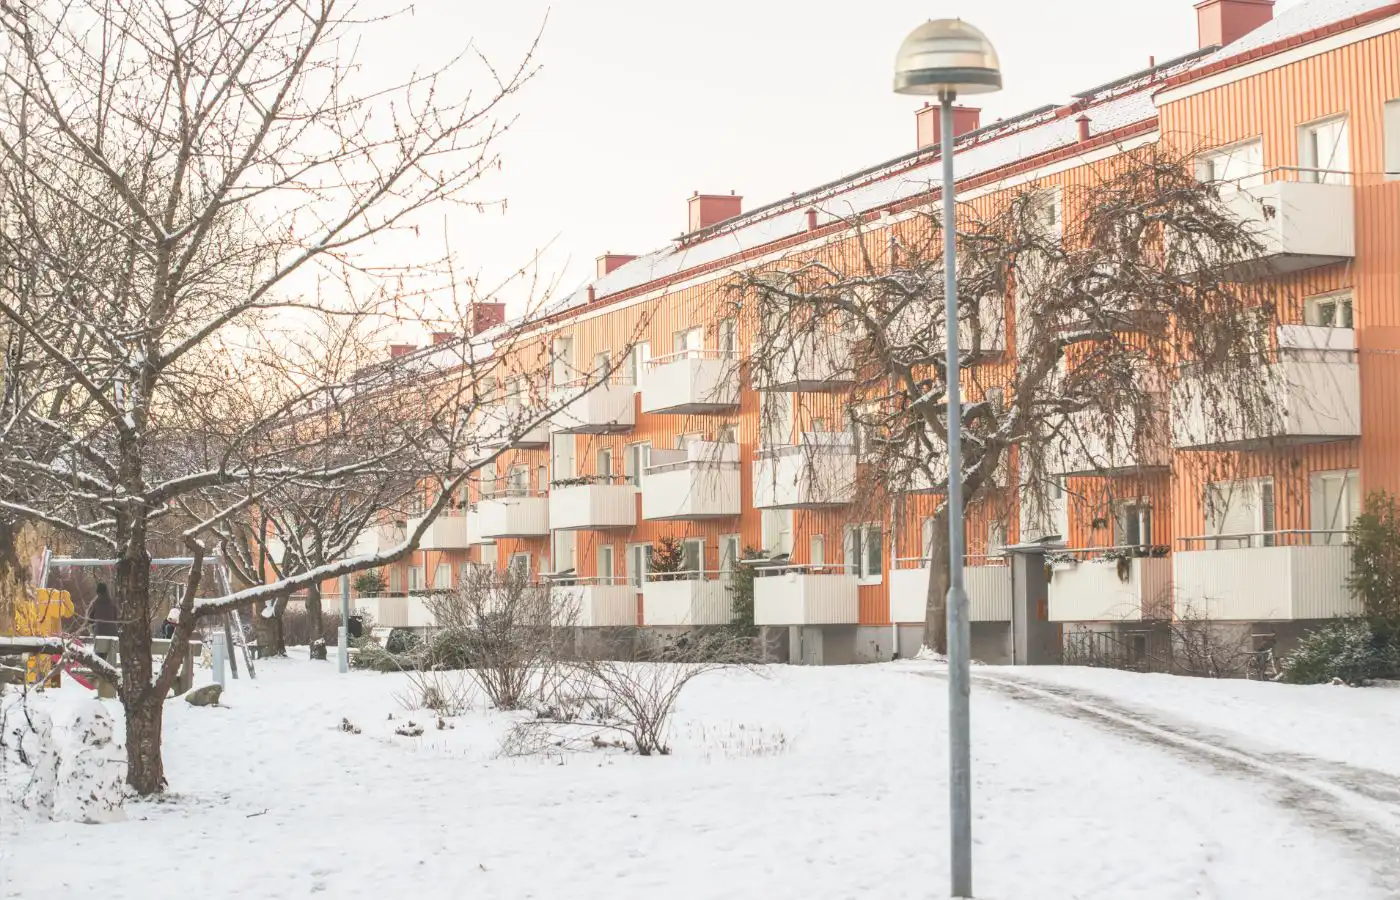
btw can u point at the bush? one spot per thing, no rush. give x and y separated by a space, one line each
371 656
1347 649
448 649
1375 563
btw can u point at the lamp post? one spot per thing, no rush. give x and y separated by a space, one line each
948 57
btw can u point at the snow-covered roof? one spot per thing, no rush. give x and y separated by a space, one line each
1114 105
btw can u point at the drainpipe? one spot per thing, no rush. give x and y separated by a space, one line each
895 506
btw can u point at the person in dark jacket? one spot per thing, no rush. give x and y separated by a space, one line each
167 629
102 613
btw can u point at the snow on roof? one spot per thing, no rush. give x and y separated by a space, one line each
1296 20
1114 105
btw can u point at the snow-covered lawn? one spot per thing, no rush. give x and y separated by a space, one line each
802 783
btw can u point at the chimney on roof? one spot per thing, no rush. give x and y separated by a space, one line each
443 337
592 294
486 315
926 118
609 261
397 350
1083 122
1226 21
711 209
811 218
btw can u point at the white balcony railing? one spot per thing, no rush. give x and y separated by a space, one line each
451 530
1311 394
595 602
820 470
805 595
1299 222
602 502
512 424
514 516
699 481
987 583
602 409
1110 584
676 599
396 610
690 381
811 362
1265 576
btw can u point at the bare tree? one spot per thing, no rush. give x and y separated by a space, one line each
191 197
1079 306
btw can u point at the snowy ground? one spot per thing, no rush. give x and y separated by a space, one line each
807 783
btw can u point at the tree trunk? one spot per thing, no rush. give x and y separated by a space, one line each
936 616
271 639
145 771
313 610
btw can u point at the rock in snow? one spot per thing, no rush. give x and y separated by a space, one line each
208 695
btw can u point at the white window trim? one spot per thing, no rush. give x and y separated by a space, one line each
1335 298
860 566
1390 122
1307 158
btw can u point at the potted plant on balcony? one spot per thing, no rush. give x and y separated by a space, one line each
667 558
369 583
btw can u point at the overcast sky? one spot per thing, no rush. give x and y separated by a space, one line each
640 103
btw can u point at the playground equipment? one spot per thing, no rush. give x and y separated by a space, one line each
41 614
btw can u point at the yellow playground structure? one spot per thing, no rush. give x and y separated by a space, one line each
40 614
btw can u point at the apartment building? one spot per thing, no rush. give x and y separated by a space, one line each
1300 112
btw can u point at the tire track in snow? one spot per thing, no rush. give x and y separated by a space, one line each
1360 806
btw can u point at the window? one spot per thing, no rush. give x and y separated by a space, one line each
1329 310
638 455
865 552
396 580
542 476
601 361
776 418
1392 140
926 536
1335 502
728 434
728 337
1241 165
606 570
488 482
1325 153
1048 213
638 561
864 420
562 361
816 550
996 538
442 577
520 565
415 578
1132 524
562 547
693 556
728 552
690 341
518 482
641 352
818 425
604 465
490 555
777 532
1242 509
562 457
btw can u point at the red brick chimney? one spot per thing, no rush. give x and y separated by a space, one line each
443 337
1225 21
486 315
609 261
397 350
1083 123
965 119
711 209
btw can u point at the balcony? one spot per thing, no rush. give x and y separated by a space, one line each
805 595
453 529
1298 223
678 599
595 602
1110 585
601 501
506 424
1271 576
700 481
691 381
1311 394
1088 444
514 515
606 408
396 610
818 471
376 539
988 587
812 362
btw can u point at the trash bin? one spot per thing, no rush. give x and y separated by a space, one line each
356 628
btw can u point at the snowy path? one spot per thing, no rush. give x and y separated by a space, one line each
803 783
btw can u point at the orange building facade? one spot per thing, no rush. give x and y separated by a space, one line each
1301 110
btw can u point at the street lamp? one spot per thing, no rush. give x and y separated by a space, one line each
947 57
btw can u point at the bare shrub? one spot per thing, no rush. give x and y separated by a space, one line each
1205 648
509 632
446 693
635 699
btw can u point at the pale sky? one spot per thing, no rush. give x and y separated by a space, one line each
642 103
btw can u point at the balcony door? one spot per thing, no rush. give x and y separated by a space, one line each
638 562
562 457
1242 512
690 341
562 552
1334 502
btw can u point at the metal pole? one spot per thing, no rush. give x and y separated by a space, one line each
959 633
344 633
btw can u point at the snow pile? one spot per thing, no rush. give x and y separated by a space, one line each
60 761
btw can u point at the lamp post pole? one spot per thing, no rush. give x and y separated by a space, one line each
945 57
